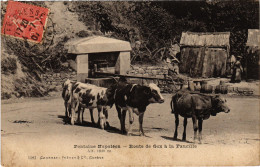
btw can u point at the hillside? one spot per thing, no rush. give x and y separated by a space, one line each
21 79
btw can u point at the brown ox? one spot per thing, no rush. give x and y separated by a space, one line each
199 107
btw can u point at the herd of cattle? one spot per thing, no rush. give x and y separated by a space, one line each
134 98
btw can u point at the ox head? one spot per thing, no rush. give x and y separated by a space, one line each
67 86
110 94
219 105
154 93
66 83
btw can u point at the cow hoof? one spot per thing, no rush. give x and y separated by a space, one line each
123 132
96 125
102 127
128 134
107 124
141 134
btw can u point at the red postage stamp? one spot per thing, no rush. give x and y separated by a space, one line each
25 21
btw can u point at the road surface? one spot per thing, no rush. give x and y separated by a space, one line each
34 134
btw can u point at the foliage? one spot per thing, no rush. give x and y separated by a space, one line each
159 24
152 27
253 66
8 65
219 16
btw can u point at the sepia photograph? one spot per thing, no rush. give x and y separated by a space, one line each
130 83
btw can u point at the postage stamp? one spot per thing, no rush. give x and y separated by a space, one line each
25 21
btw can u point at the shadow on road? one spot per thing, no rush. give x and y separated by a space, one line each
65 119
171 138
112 129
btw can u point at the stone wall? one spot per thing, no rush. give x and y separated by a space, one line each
148 71
56 79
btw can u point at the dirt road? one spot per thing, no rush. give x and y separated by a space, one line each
34 134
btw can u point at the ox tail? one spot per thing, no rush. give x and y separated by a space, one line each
172 107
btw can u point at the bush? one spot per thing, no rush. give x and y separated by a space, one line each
84 33
8 65
5 95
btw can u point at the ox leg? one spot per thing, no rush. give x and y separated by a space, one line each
184 129
101 118
200 129
66 109
131 121
176 126
118 112
122 121
69 112
91 115
79 115
141 118
195 127
105 112
98 123
82 114
73 106
121 116
72 117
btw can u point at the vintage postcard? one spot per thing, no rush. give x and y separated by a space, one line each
130 83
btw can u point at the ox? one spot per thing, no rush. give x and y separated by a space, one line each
66 94
91 96
135 98
199 107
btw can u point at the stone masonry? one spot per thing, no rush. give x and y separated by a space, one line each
56 79
148 71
